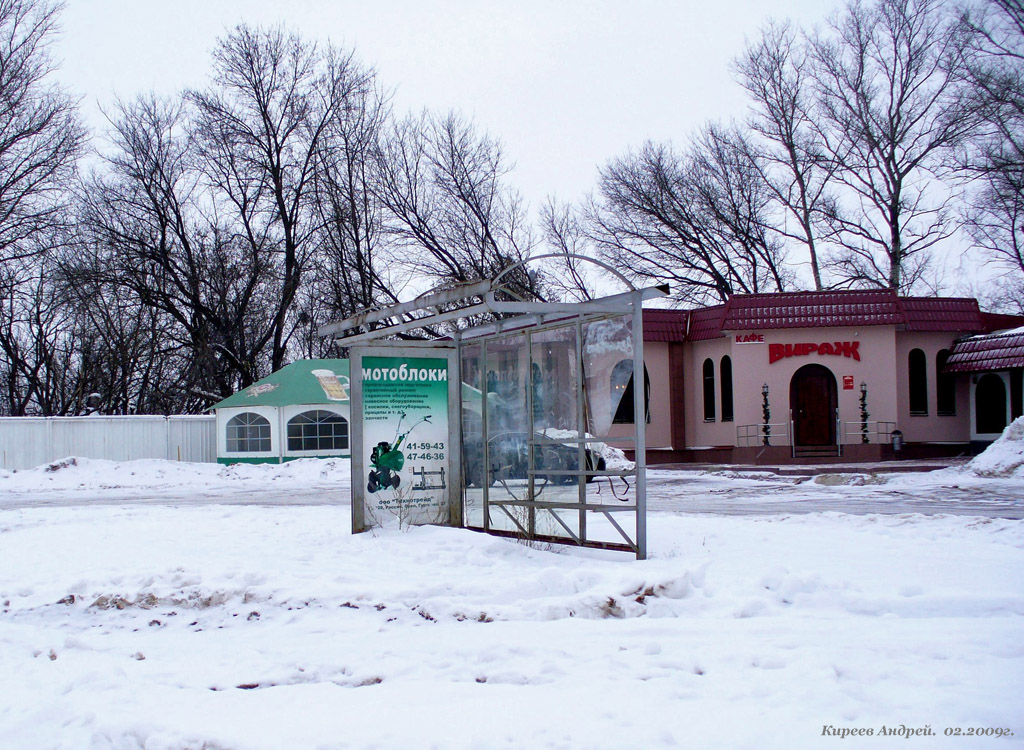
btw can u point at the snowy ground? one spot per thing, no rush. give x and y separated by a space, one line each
168 606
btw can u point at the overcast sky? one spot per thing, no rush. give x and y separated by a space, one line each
566 85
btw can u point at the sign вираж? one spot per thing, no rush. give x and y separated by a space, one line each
834 348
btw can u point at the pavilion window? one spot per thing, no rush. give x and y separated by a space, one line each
317 430
248 433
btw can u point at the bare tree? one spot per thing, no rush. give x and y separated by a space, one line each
784 145
888 106
351 268
259 130
695 220
565 234
993 45
18 371
41 365
150 227
443 186
40 133
132 354
738 200
40 140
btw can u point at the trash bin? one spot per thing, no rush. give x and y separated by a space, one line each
896 438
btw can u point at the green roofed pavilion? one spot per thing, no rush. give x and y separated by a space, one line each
307 381
300 411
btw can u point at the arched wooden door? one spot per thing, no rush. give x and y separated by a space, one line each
990 404
813 397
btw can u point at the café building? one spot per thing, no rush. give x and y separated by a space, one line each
821 376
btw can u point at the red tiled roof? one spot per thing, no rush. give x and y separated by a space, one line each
665 325
996 351
706 323
957 314
873 307
746 312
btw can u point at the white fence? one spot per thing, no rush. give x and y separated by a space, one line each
26 442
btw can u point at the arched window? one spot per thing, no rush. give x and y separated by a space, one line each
945 387
709 391
725 370
248 433
317 431
621 381
918 370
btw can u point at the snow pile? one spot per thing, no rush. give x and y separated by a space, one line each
1005 457
614 458
92 474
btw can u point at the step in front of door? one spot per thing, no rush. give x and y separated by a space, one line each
816 451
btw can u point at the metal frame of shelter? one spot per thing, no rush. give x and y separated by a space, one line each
535 383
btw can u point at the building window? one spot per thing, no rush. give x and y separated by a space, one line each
709 391
945 387
725 369
622 392
248 433
317 431
918 367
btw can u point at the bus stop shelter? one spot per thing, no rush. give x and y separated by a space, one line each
499 421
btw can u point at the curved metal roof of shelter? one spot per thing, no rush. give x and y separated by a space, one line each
488 298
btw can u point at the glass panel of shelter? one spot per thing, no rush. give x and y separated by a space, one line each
610 491
506 430
606 343
556 449
545 475
471 366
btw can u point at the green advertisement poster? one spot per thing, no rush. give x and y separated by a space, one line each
405 434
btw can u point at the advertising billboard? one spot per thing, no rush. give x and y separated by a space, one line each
405 471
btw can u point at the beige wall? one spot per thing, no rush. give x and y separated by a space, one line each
883 366
701 434
659 430
752 368
931 428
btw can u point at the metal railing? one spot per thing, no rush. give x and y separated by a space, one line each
873 432
877 432
770 433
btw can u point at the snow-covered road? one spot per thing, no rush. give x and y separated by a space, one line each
728 492
692 491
